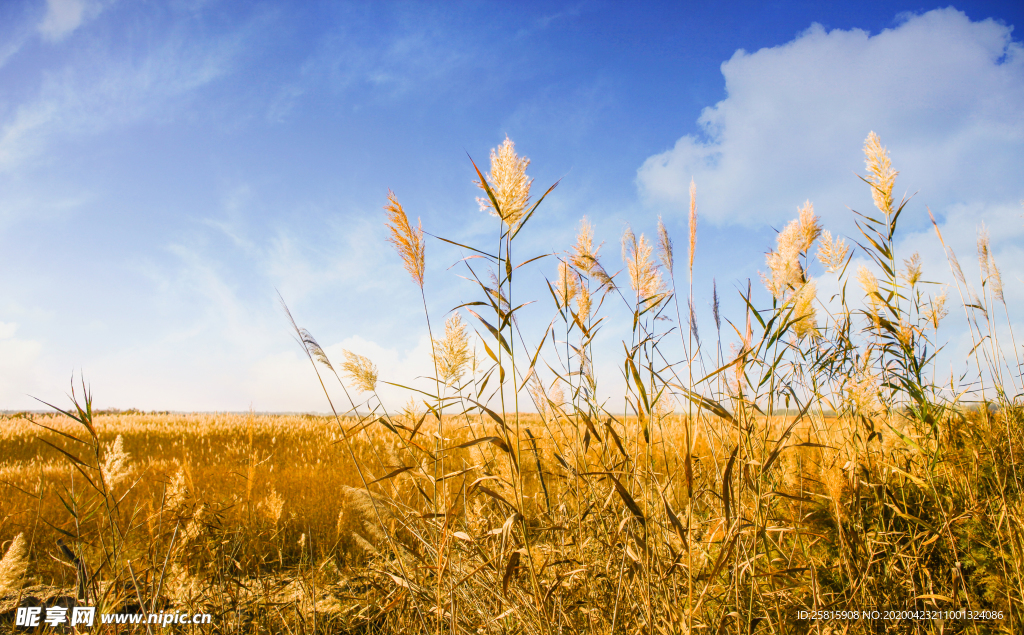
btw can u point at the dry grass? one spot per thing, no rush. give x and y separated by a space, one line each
820 467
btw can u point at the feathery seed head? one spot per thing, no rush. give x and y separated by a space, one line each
556 395
784 268
984 254
665 247
810 227
361 371
509 184
868 281
407 241
693 323
567 283
832 253
452 353
583 303
714 304
990 275
803 310
862 391
880 172
912 271
13 565
937 310
115 463
906 334
996 280
584 254
644 277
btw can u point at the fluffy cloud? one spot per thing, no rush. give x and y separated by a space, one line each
943 92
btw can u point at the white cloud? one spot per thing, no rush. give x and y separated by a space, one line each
64 16
943 92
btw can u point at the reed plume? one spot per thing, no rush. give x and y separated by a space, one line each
784 268
115 463
508 183
810 226
583 253
912 269
803 310
936 310
361 371
644 277
832 253
567 284
665 247
714 304
881 176
452 353
990 275
583 303
868 281
13 565
407 241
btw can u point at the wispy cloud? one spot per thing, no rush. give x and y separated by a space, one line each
64 16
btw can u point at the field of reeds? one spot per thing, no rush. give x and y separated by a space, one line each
822 476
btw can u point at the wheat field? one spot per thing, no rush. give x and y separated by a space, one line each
817 478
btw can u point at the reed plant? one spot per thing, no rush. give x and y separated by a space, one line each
816 460
822 466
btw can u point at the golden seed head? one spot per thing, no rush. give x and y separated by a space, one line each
832 253
868 281
361 371
665 247
912 269
984 254
644 276
13 565
583 253
115 463
809 227
803 310
937 310
906 334
452 353
880 172
407 241
990 275
509 184
784 268
583 303
555 395
567 284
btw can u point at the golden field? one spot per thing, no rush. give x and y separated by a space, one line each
271 529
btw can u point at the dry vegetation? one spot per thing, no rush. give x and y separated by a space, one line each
817 466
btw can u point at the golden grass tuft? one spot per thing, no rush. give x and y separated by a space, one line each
406 240
13 565
509 184
451 354
361 371
881 174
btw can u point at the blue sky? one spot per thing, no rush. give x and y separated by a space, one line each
165 168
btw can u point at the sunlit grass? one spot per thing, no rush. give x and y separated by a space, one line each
821 465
